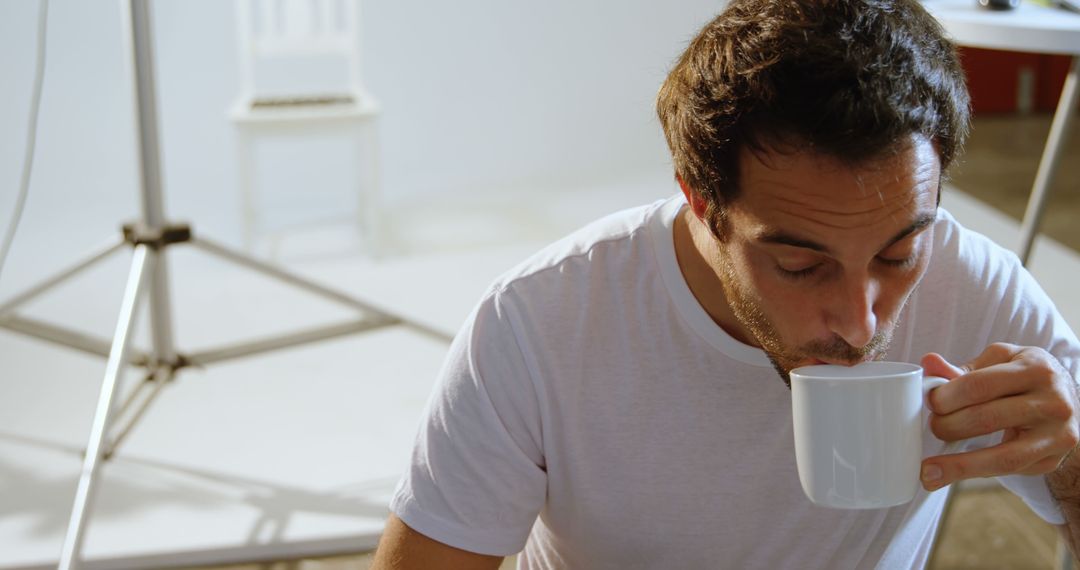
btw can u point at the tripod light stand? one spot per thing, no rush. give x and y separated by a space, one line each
150 239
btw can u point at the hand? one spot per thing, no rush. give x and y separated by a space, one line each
1022 390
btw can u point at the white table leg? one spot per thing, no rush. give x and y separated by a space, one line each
1055 143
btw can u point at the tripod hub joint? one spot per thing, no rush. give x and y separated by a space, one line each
139 233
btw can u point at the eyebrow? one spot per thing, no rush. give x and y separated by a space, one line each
782 238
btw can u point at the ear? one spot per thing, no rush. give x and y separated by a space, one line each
697 203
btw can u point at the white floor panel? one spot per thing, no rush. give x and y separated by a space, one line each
291 453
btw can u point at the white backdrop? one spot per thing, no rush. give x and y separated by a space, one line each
480 98
542 107
484 102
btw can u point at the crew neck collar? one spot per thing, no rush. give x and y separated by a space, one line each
662 232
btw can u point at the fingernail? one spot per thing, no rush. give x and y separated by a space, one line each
931 473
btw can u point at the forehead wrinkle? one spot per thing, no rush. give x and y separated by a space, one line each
893 215
884 211
798 196
823 196
819 223
869 178
807 209
878 199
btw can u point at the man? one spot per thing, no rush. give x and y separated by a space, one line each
613 401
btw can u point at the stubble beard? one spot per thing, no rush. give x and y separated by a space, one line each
748 312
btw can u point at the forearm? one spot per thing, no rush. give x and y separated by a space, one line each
1064 484
402 548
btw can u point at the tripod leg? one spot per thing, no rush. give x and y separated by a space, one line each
142 264
275 272
42 287
159 378
308 285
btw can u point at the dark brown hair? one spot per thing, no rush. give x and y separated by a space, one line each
851 79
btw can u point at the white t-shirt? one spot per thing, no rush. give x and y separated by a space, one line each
591 413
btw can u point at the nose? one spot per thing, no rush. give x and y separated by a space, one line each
852 310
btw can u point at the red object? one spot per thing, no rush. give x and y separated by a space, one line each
1052 72
1011 82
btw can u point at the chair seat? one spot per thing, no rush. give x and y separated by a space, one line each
299 71
248 110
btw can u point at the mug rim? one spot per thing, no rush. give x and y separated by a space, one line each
866 371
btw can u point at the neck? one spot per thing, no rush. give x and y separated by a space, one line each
698 255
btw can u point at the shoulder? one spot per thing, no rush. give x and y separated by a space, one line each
967 259
601 248
960 243
983 294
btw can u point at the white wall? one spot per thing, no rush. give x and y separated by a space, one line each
478 96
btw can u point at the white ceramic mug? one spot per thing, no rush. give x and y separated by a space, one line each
858 432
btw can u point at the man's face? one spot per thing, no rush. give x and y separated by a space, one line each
819 257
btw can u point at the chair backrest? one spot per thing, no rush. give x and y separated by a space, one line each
299 49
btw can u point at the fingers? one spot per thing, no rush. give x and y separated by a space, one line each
935 365
1023 392
979 386
996 353
953 398
1033 454
995 415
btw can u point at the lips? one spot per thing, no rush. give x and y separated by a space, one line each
816 361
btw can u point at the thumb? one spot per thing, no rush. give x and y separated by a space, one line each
935 365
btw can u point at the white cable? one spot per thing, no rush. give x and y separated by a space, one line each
31 136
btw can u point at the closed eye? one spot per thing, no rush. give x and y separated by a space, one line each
799 273
898 263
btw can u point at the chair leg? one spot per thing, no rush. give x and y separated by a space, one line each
245 172
369 211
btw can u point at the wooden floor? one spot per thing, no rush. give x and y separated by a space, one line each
999 168
992 528
988 528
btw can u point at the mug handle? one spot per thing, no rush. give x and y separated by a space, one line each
929 383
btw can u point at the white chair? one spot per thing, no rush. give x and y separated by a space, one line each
299 63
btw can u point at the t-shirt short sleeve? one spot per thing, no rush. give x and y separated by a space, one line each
1051 332
1036 495
1021 314
477 479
